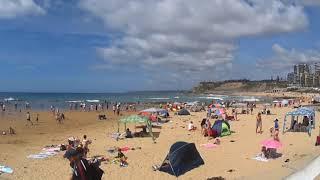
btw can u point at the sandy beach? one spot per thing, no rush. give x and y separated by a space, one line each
298 147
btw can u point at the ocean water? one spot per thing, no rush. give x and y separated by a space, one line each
43 101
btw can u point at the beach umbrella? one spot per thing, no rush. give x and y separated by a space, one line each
134 119
138 119
150 110
270 143
154 110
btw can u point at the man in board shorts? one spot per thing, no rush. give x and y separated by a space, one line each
29 118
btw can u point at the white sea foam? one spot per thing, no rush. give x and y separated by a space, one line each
9 99
156 98
93 100
211 97
75 101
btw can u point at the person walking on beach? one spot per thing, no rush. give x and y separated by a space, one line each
259 123
37 119
114 109
29 118
118 109
3 107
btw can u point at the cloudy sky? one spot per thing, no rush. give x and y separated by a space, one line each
125 45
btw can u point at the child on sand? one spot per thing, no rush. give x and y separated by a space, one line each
264 152
276 130
259 124
85 145
123 158
191 126
203 126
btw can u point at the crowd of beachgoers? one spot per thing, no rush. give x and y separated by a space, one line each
215 124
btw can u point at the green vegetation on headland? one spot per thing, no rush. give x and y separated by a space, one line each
242 85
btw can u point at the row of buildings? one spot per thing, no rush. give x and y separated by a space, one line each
305 75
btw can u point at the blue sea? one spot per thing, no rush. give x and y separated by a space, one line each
43 101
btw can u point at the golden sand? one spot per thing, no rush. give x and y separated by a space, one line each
298 147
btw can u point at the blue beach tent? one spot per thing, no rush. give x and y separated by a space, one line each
181 158
303 112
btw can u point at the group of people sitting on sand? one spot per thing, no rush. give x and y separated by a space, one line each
129 134
81 146
76 153
301 127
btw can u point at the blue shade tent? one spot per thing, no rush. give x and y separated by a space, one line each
303 112
182 157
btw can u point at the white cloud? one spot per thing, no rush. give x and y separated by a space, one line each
311 2
285 58
188 37
13 8
303 2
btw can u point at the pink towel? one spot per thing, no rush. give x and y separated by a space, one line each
209 145
125 149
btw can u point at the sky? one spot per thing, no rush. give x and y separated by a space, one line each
133 45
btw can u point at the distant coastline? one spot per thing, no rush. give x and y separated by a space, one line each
241 85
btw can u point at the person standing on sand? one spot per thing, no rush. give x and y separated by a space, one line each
85 145
114 109
118 109
29 118
259 124
37 119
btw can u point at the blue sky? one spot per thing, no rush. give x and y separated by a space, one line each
109 46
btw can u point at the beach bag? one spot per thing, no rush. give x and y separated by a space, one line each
96 172
318 141
210 132
318 138
63 147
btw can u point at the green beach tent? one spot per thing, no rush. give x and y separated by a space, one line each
137 119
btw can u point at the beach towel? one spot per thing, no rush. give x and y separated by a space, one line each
6 169
259 158
124 149
48 153
42 155
37 156
209 145
51 149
